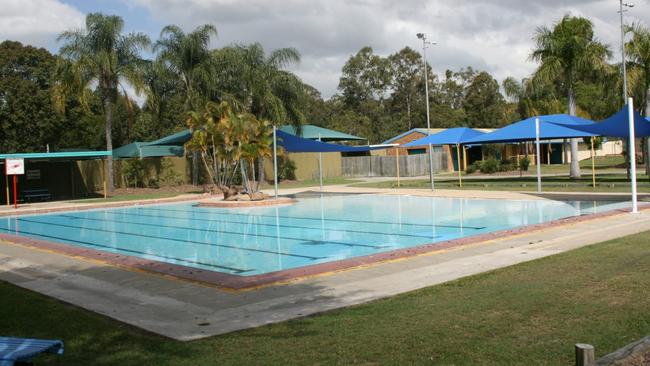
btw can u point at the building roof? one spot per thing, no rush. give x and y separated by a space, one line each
314 132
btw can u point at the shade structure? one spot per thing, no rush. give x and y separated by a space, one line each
147 150
314 133
451 136
292 143
616 125
524 130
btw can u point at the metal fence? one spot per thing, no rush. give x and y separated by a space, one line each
386 166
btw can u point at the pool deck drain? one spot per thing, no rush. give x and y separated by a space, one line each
186 310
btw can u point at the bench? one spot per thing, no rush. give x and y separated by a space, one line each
29 195
21 351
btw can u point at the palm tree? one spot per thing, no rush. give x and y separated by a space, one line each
566 52
261 85
187 56
637 50
100 55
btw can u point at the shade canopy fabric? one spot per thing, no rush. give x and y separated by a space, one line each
147 150
292 143
451 136
64 155
314 132
525 130
617 125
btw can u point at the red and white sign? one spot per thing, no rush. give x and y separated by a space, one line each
15 166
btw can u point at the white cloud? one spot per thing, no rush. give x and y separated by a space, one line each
36 22
494 35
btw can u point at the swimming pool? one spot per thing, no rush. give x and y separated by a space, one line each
254 241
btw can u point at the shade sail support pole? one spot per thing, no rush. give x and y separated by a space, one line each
397 164
538 159
433 185
460 178
593 163
320 166
632 154
275 161
7 184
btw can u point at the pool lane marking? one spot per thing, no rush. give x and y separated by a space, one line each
178 240
233 269
311 218
273 225
302 240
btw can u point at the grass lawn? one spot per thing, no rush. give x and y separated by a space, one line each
310 183
536 310
604 183
133 197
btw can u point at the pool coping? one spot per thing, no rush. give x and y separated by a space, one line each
236 282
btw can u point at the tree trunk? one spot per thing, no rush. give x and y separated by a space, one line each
408 112
108 129
262 173
575 164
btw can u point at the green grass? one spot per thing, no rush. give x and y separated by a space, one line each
311 183
604 183
532 313
134 196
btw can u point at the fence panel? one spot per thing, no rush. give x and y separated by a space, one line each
386 166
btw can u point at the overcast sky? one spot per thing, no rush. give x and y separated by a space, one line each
492 35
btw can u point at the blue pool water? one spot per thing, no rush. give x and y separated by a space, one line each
265 239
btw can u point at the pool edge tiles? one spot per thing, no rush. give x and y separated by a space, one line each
238 282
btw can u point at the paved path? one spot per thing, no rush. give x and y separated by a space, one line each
184 310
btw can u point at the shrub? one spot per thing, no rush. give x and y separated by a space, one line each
524 163
490 166
168 175
133 170
286 169
473 167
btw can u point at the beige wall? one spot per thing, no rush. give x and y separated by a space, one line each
307 165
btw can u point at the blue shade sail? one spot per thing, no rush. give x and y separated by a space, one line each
451 136
550 128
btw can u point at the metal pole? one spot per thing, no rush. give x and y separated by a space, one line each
320 167
397 164
623 50
537 157
7 183
426 92
275 162
460 179
593 163
631 149
15 193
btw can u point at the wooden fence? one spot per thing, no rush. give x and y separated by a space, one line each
386 166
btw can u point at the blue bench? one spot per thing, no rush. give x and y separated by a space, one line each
35 194
16 351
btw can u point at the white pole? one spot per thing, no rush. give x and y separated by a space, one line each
275 162
423 37
537 157
632 153
320 166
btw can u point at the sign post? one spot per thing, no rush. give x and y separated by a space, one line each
15 167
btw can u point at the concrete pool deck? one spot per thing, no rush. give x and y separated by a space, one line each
186 310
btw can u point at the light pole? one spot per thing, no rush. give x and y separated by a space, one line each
425 44
621 11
